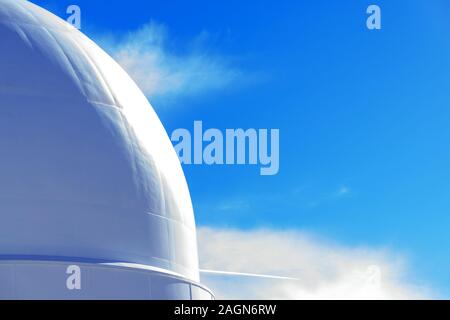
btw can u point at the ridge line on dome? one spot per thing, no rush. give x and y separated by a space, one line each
106 105
170 219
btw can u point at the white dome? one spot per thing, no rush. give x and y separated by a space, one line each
87 170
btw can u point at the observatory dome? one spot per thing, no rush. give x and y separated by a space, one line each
87 171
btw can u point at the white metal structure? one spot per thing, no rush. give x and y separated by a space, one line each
93 200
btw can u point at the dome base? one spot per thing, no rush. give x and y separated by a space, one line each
72 280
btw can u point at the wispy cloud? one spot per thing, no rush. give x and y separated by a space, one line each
165 73
238 205
324 270
342 191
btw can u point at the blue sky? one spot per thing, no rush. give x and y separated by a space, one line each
363 115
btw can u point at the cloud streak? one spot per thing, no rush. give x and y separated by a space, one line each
323 270
164 74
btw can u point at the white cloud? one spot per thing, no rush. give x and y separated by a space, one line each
324 270
161 72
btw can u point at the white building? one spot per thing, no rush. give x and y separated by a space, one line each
93 200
